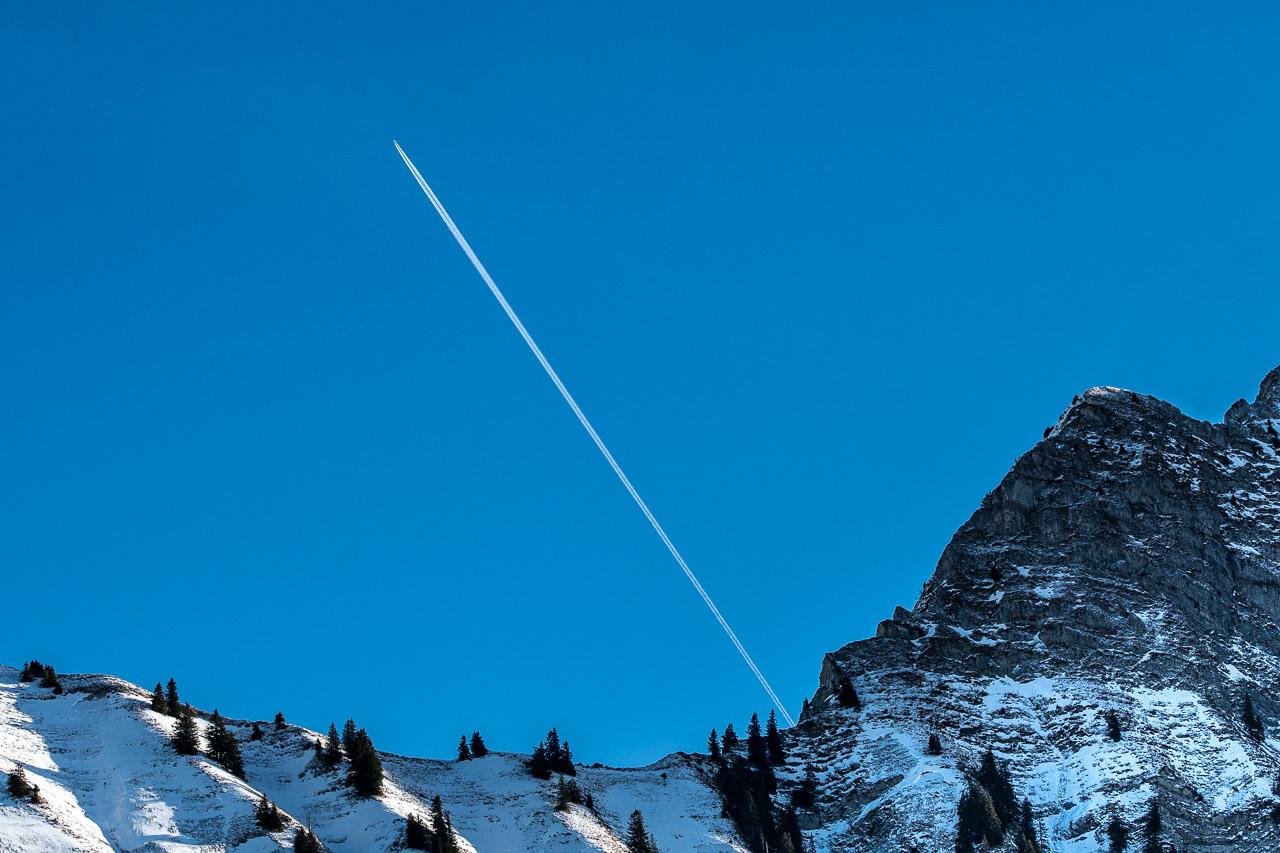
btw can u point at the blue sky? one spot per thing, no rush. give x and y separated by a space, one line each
818 274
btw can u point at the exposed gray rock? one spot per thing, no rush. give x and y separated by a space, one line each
1129 562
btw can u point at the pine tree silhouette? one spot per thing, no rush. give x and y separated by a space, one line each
268 816
1252 723
305 841
1117 835
773 740
713 746
1113 725
995 779
332 747
171 698
478 749
223 747
539 764
442 829
186 735
1151 827
757 753
976 820
1028 842
348 735
365 775
464 751
638 839
20 787
416 834
158 703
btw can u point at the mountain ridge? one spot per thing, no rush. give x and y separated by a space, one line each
1126 564
1099 624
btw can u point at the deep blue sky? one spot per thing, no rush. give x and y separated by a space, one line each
818 274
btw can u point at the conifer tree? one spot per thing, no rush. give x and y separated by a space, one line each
552 741
638 839
171 698
223 747
332 747
1113 725
935 745
256 733
567 791
566 761
1252 723
305 841
478 749
186 734
464 751
976 820
279 721
1117 835
35 670
442 829
365 775
539 763
729 742
416 834
773 740
50 679
757 753
348 735
1028 842
713 746
1151 827
268 816
26 677
20 787
553 756
995 779
158 702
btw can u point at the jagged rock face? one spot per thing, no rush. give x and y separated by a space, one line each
1128 563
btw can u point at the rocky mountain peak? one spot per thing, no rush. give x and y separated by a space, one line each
1266 406
1127 567
1268 402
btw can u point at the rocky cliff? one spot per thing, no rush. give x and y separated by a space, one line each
1128 564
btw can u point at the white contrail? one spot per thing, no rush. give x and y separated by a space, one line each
586 424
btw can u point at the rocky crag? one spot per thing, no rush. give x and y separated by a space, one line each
1100 624
1129 566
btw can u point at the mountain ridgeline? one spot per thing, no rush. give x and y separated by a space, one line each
1105 624
1093 666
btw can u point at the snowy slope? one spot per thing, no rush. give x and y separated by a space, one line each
111 781
496 804
109 778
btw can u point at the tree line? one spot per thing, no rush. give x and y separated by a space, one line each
33 670
746 781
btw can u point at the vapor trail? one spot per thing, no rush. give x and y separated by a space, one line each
586 424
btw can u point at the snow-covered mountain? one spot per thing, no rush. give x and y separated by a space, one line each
1129 564
110 780
1100 624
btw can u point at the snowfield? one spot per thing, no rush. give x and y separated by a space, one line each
111 781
